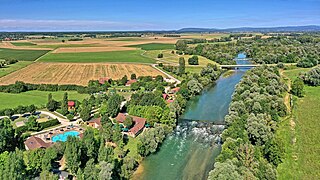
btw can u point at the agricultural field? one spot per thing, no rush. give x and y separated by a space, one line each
13 67
38 98
76 73
300 135
21 54
154 46
23 44
90 57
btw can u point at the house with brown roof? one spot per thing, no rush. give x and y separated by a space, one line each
104 80
95 123
175 90
138 126
131 82
34 142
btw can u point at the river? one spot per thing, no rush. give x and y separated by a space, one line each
189 152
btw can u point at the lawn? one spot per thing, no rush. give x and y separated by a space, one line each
301 139
14 67
21 55
154 46
89 57
37 98
23 44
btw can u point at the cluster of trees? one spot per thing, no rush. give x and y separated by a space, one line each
147 83
250 149
33 125
312 77
7 61
149 142
193 60
301 49
18 110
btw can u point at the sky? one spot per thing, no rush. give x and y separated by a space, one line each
115 15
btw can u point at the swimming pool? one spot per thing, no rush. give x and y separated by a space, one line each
63 137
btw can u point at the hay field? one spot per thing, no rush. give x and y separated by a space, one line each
75 73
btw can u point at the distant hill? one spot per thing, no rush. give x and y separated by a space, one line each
310 28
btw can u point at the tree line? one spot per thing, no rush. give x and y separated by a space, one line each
250 149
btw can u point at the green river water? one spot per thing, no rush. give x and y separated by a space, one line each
189 152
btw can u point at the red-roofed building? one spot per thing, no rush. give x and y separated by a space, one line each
103 80
131 82
175 90
34 142
170 101
138 124
71 105
95 123
165 96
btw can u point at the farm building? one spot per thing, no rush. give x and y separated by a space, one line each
138 126
34 142
71 105
131 82
95 123
104 80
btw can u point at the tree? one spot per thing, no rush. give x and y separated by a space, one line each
90 171
193 60
182 66
124 80
12 166
46 175
106 170
297 87
64 104
133 76
128 122
73 154
160 55
181 45
194 86
7 139
128 167
31 109
226 170
51 104
106 153
8 112
32 124
85 110
113 105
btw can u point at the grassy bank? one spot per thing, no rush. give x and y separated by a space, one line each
300 135
38 98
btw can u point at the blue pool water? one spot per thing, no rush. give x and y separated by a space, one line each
63 137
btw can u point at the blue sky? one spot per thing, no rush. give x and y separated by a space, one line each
59 15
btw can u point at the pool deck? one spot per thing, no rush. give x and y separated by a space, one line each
47 136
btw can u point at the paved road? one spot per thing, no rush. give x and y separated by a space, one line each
168 75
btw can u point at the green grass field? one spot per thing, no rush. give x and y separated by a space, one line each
21 55
23 44
14 67
88 57
55 46
154 46
301 139
38 98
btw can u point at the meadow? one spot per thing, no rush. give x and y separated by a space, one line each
38 98
300 136
168 57
76 73
13 67
21 55
154 46
89 57
23 44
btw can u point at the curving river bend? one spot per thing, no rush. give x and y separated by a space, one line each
189 152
